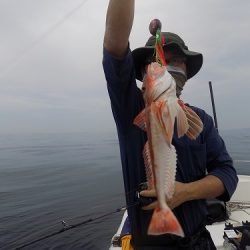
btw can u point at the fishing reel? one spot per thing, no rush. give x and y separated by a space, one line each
144 201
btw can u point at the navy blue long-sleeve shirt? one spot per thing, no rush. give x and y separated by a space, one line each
195 158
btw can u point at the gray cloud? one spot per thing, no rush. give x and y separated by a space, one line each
51 76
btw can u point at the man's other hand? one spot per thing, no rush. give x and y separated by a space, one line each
179 197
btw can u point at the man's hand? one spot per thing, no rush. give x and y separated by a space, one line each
206 188
179 197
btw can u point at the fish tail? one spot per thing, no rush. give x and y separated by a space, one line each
164 221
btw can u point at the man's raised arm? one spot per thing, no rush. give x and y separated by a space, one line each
119 21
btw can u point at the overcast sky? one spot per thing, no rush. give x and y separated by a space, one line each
51 77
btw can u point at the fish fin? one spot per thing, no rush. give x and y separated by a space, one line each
190 135
170 173
140 120
163 221
176 111
148 166
194 121
166 121
182 122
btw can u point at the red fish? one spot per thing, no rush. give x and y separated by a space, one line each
162 109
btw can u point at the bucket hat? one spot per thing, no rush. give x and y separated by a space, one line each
171 40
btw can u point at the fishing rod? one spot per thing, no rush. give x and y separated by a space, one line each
213 104
141 201
67 227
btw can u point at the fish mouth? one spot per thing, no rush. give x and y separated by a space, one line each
156 98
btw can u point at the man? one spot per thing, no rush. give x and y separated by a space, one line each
204 168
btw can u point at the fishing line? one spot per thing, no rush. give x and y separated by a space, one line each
19 58
237 206
67 227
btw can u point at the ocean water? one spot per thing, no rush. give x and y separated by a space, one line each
47 178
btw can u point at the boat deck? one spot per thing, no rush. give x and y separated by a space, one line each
238 209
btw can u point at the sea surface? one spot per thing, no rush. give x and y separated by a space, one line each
49 178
